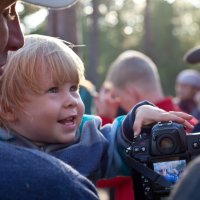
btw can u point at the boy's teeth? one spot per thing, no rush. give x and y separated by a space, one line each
69 119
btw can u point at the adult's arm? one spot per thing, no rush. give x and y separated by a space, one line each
30 174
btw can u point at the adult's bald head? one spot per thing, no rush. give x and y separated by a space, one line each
134 77
134 67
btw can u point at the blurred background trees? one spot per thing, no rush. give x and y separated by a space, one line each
162 29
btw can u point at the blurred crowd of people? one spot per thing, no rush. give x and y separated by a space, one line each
133 77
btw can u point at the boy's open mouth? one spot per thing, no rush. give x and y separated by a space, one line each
67 120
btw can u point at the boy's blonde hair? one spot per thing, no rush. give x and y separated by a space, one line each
39 55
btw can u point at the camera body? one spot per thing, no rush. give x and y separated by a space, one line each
167 150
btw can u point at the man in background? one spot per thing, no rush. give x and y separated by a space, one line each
134 77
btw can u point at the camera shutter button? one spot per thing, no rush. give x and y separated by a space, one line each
143 149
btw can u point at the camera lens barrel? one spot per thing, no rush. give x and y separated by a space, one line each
167 138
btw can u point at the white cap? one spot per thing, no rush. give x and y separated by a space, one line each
52 3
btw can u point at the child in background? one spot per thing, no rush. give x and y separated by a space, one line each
187 86
41 109
107 104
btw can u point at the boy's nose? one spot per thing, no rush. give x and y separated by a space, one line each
70 101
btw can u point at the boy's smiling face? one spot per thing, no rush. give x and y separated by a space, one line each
52 116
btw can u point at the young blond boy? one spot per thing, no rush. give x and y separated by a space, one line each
42 109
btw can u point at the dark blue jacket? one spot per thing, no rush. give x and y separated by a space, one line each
33 175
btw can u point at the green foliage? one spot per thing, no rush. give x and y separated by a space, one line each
166 51
172 38
175 28
26 12
113 40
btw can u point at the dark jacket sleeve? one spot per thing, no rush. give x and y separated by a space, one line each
130 119
31 174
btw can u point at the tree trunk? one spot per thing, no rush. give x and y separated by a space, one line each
65 25
94 45
148 29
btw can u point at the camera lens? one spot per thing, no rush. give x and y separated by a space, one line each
166 144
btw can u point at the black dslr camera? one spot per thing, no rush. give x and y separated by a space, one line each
160 158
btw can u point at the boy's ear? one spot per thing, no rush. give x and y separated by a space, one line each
132 90
9 116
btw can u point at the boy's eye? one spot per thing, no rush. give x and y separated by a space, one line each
53 90
74 88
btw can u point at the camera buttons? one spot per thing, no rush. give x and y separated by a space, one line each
195 145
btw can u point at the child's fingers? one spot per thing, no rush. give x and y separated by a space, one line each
182 115
179 117
137 127
183 118
171 117
188 125
156 115
175 116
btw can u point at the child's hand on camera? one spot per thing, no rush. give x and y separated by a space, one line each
147 114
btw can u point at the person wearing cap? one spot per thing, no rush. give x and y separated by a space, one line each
192 56
187 87
30 174
188 185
